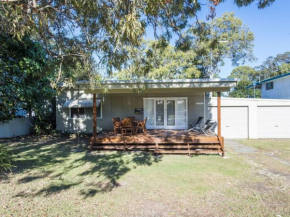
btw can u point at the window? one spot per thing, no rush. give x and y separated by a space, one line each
99 110
74 113
86 113
269 86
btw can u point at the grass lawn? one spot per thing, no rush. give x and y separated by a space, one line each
51 179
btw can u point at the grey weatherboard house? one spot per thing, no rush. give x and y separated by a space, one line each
168 104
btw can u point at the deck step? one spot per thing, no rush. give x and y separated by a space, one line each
188 152
121 147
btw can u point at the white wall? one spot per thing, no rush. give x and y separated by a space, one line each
15 127
281 89
253 106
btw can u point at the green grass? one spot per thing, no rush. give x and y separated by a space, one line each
277 147
49 179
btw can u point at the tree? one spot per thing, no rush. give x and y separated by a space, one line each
198 54
104 29
24 80
274 66
159 60
223 37
82 31
246 76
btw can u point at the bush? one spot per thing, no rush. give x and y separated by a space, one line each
5 159
43 126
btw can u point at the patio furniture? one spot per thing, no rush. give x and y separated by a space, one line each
117 124
196 125
127 125
207 129
142 124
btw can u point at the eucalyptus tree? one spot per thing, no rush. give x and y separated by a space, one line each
198 53
159 60
273 66
85 30
223 37
99 33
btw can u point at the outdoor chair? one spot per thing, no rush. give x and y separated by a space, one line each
117 124
207 129
142 124
127 125
196 125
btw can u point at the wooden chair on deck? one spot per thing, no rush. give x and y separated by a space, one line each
127 125
117 124
142 124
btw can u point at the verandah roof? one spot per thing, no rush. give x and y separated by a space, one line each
165 85
81 103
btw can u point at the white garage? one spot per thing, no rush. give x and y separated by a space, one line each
251 118
273 122
234 121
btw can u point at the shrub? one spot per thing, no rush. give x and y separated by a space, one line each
5 159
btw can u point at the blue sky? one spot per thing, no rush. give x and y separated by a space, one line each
270 27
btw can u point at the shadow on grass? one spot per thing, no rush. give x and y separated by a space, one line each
48 159
112 166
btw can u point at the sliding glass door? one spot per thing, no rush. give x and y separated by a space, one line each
166 113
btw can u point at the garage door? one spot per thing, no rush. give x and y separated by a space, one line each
234 121
273 122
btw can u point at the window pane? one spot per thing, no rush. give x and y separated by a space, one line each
159 112
99 110
149 111
170 112
181 111
75 113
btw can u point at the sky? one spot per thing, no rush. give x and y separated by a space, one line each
269 25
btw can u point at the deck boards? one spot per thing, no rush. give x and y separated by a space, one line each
160 141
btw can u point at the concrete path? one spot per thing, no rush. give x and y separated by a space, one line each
238 147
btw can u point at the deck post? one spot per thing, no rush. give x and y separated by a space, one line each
219 113
94 115
219 123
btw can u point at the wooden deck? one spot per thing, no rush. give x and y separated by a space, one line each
160 141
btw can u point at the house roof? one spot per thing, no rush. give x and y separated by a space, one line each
258 84
165 85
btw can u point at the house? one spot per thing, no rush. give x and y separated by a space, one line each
274 88
171 105
167 104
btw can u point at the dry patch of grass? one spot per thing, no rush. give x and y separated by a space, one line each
276 147
51 179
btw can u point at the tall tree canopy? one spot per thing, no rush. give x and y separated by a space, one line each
24 81
274 66
82 30
200 53
246 76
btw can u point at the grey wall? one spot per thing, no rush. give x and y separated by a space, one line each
117 105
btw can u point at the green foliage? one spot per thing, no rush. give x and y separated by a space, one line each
246 75
159 60
24 78
260 3
5 159
223 37
105 30
198 54
274 66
